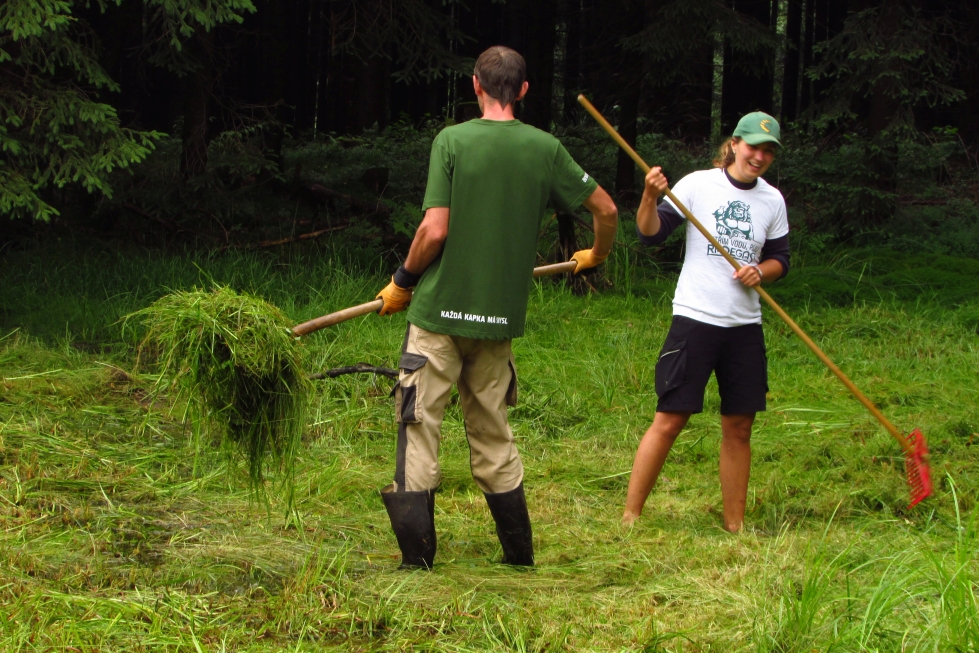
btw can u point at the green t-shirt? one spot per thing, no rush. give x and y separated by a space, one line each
497 178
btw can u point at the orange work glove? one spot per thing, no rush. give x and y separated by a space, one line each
396 298
586 258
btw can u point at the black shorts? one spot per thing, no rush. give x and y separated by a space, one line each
694 349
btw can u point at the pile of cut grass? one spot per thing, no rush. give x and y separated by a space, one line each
238 370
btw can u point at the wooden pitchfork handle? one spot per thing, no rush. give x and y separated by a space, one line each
869 405
374 306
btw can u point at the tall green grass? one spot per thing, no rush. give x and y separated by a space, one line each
114 539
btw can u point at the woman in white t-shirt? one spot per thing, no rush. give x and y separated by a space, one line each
716 315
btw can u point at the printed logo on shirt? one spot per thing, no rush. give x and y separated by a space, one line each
585 178
734 231
734 219
472 317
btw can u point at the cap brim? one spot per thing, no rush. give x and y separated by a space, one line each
758 139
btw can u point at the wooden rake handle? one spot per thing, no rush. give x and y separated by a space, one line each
374 306
862 398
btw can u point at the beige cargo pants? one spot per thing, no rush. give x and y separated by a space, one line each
484 372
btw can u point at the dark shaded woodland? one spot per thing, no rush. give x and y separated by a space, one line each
225 91
322 65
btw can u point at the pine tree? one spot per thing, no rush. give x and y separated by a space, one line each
54 130
888 60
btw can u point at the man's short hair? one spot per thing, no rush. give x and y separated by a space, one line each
501 72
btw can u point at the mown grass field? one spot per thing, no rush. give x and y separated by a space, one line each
120 533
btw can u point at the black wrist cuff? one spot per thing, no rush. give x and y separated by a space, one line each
405 279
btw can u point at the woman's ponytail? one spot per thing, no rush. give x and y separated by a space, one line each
725 153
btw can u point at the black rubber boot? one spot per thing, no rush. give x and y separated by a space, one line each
509 511
413 520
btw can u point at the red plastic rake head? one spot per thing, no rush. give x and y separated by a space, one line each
916 467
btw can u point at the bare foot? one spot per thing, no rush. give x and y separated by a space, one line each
629 517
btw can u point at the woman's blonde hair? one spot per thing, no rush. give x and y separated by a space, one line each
725 153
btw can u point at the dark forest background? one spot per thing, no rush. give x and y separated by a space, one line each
245 123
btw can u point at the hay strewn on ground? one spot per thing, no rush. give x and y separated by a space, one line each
114 539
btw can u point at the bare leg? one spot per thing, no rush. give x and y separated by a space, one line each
650 456
734 467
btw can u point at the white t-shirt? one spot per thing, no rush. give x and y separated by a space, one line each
741 220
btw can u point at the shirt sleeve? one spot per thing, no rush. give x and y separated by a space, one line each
669 220
685 192
438 190
777 249
780 225
570 185
777 239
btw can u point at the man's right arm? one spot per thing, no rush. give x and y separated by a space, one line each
428 241
425 246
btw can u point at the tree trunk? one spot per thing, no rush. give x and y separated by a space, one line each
193 160
625 167
630 78
531 27
808 26
883 96
820 33
572 57
793 50
968 109
748 79
881 156
372 87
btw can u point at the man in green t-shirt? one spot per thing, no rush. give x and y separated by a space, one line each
471 261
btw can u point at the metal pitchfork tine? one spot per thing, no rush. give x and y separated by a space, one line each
914 445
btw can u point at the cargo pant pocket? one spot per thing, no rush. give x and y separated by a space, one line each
406 390
511 391
671 368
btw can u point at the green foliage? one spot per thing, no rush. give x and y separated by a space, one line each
238 367
405 218
173 25
591 147
950 226
891 52
242 196
675 157
339 162
860 156
844 189
233 190
832 187
684 29
181 18
53 129
412 33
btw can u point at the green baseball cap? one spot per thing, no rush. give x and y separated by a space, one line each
757 128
